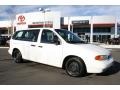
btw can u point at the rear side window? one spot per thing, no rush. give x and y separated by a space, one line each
31 35
26 35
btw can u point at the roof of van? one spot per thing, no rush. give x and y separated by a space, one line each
36 28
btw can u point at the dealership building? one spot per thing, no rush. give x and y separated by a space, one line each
90 28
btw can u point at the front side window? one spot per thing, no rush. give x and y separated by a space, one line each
47 36
69 36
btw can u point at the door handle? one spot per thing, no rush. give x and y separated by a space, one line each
33 45
40 46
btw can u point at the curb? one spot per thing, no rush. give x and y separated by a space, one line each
4 47
111 46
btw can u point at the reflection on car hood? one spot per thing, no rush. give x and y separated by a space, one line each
92 47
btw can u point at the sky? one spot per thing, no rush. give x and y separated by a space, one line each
9 11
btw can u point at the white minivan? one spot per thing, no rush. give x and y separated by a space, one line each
59 48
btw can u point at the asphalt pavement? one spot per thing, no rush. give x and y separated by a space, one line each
31 73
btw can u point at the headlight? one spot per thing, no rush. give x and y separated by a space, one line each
102 57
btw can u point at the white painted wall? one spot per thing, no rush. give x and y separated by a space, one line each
39 17
55 17
95 19
75 18
103 19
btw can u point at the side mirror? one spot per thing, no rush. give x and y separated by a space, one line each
56 40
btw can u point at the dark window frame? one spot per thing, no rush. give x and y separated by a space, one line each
23 38
45 37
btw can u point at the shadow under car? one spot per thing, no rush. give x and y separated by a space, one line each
115 68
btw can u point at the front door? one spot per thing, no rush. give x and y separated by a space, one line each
50 53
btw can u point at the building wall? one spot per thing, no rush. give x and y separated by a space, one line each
95 19
103 19
38 18
55 17
70 19
5 24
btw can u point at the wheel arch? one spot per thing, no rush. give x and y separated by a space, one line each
67 57
15 50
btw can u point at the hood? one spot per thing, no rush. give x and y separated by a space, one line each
92 48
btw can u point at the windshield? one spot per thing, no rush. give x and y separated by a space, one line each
69 36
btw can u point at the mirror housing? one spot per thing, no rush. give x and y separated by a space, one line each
56 40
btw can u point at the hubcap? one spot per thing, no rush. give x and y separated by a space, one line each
16 56
73 68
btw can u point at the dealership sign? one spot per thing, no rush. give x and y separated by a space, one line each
80 22
46 22
21 20
43 24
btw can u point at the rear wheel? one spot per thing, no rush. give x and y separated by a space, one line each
17 56
75 67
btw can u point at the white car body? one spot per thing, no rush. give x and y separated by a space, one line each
54 55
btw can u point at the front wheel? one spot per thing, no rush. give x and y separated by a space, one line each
75 67
17 57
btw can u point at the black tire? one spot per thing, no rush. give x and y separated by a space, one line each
17 56
75 67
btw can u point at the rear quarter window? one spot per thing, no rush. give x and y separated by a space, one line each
18 35
26 35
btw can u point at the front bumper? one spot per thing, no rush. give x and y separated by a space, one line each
112 64
100 66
